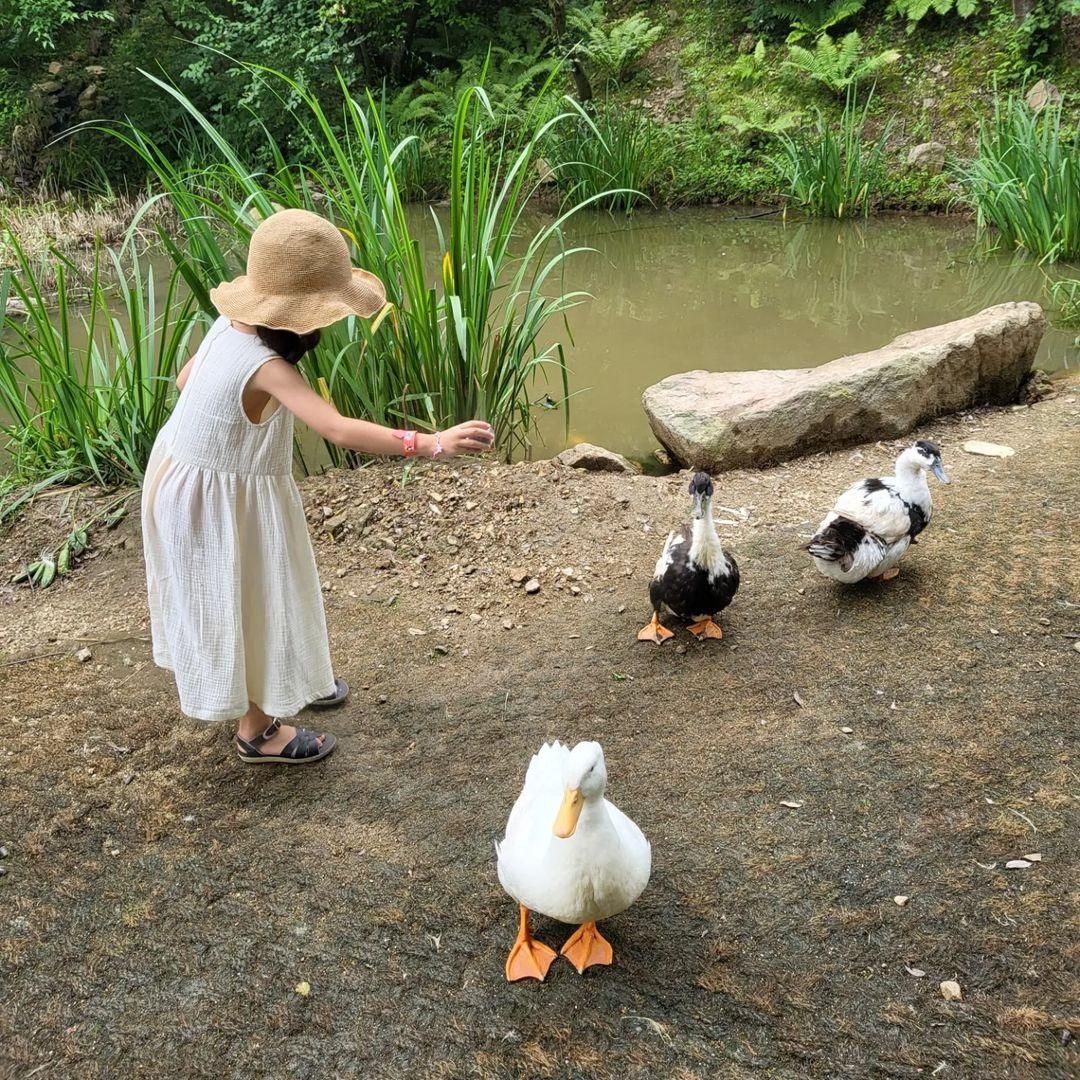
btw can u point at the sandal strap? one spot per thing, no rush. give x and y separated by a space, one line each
303 744
251 746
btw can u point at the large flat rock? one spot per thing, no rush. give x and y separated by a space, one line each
726 420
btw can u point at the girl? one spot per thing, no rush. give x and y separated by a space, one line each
235 603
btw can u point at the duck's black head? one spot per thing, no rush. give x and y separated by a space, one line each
701 485
930 454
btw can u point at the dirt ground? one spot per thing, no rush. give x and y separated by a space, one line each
161 901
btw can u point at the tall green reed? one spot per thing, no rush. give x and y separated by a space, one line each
461 341
87 380
1025 180
834 171
617 155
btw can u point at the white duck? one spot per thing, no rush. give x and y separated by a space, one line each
875 521
569 854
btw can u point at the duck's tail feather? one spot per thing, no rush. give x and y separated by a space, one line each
837 542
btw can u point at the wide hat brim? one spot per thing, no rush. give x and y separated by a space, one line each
239 299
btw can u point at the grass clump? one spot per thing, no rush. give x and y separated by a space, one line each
461 342
834 171
1024 181
85 392
614 158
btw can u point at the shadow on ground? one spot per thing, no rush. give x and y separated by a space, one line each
161 903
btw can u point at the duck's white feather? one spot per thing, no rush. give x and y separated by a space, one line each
597 872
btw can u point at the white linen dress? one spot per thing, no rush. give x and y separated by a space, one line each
236 606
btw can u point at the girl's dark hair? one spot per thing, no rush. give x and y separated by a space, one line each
286 344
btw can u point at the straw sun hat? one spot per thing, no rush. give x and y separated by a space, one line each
299 277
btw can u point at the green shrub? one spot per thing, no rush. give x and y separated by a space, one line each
834 172
838 65
613 49
1025 180
917 10
759 122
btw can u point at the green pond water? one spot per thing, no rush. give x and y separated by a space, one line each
721 289
711 289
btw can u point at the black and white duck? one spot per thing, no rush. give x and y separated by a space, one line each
695 578
875 521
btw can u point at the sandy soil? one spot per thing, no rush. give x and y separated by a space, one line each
161 902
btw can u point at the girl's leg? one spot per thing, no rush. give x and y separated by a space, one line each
255 722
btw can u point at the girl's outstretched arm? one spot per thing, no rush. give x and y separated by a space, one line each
283 382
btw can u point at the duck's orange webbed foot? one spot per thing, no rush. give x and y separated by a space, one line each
529 958
705 628
655 632
586 946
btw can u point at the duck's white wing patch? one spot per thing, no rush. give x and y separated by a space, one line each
877 507
674 539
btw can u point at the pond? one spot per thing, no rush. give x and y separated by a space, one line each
729 289
720 290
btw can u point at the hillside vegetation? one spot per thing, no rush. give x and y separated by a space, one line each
697 97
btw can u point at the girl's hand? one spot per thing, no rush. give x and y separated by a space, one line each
472 437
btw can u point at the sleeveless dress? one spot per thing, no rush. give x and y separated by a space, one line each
236 607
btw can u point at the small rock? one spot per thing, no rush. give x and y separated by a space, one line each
987 449
929 156
3 871
49 86
3 852
476 617
84 655
517 575
508 624
950 990
382 699
88 96
1036 387
847 730
95 71
532 586
1076 646
55 67
327 511
442 650
901 901
1043 93
791 804
1018 864
594 459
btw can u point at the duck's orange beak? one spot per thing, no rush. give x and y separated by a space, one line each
569 812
